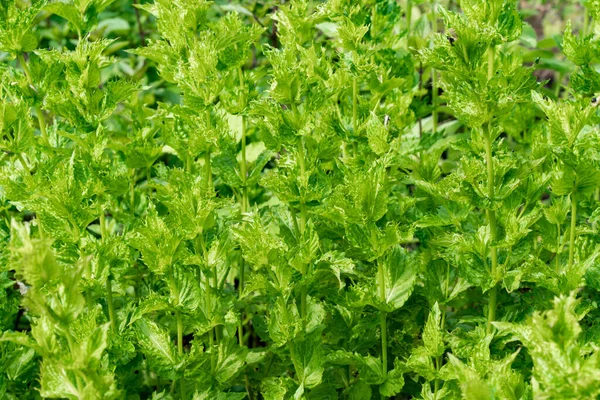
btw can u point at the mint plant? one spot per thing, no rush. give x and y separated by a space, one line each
302 200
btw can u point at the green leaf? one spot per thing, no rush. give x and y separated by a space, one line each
579 50
156 344
273 389
308 360
378 135
185 292
552 340
510 25
68 12
394 381
55 382
433 338
399 277
19 363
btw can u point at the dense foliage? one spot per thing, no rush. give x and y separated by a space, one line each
299 199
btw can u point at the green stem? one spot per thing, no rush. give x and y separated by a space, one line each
447 287
73 350
301 155
245 205
586 19
215 285
596 198
408 16
102 226
25 68
38 111
211 344
303 296
198 249
349 378
434 83
491 62
434 100
420 96
207 165
438 360
243 162
188 163
437 382
303 221
355 109
491 216
244 208
492 308
24 163
148 179
132 191
111 305
384 343
179 333
559 78
373 21
109 295
248 387
558 249
180 350
207 283
383 321
572 233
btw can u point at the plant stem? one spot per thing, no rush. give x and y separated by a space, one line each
420 96
243 162
491 62
586 19
243 169
245 205
208 170
215 285
244 208
303 221
559 78
384 344
492 308
38 111
180 349
73 350
434 83
303 295
24 163
132 191
491 216
436 384
111 305
558 249
188 163
139 24
355 108
148 179
383 320
301 156
572 233
109 296
201 244
373 28
179 333
408 16
438 360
